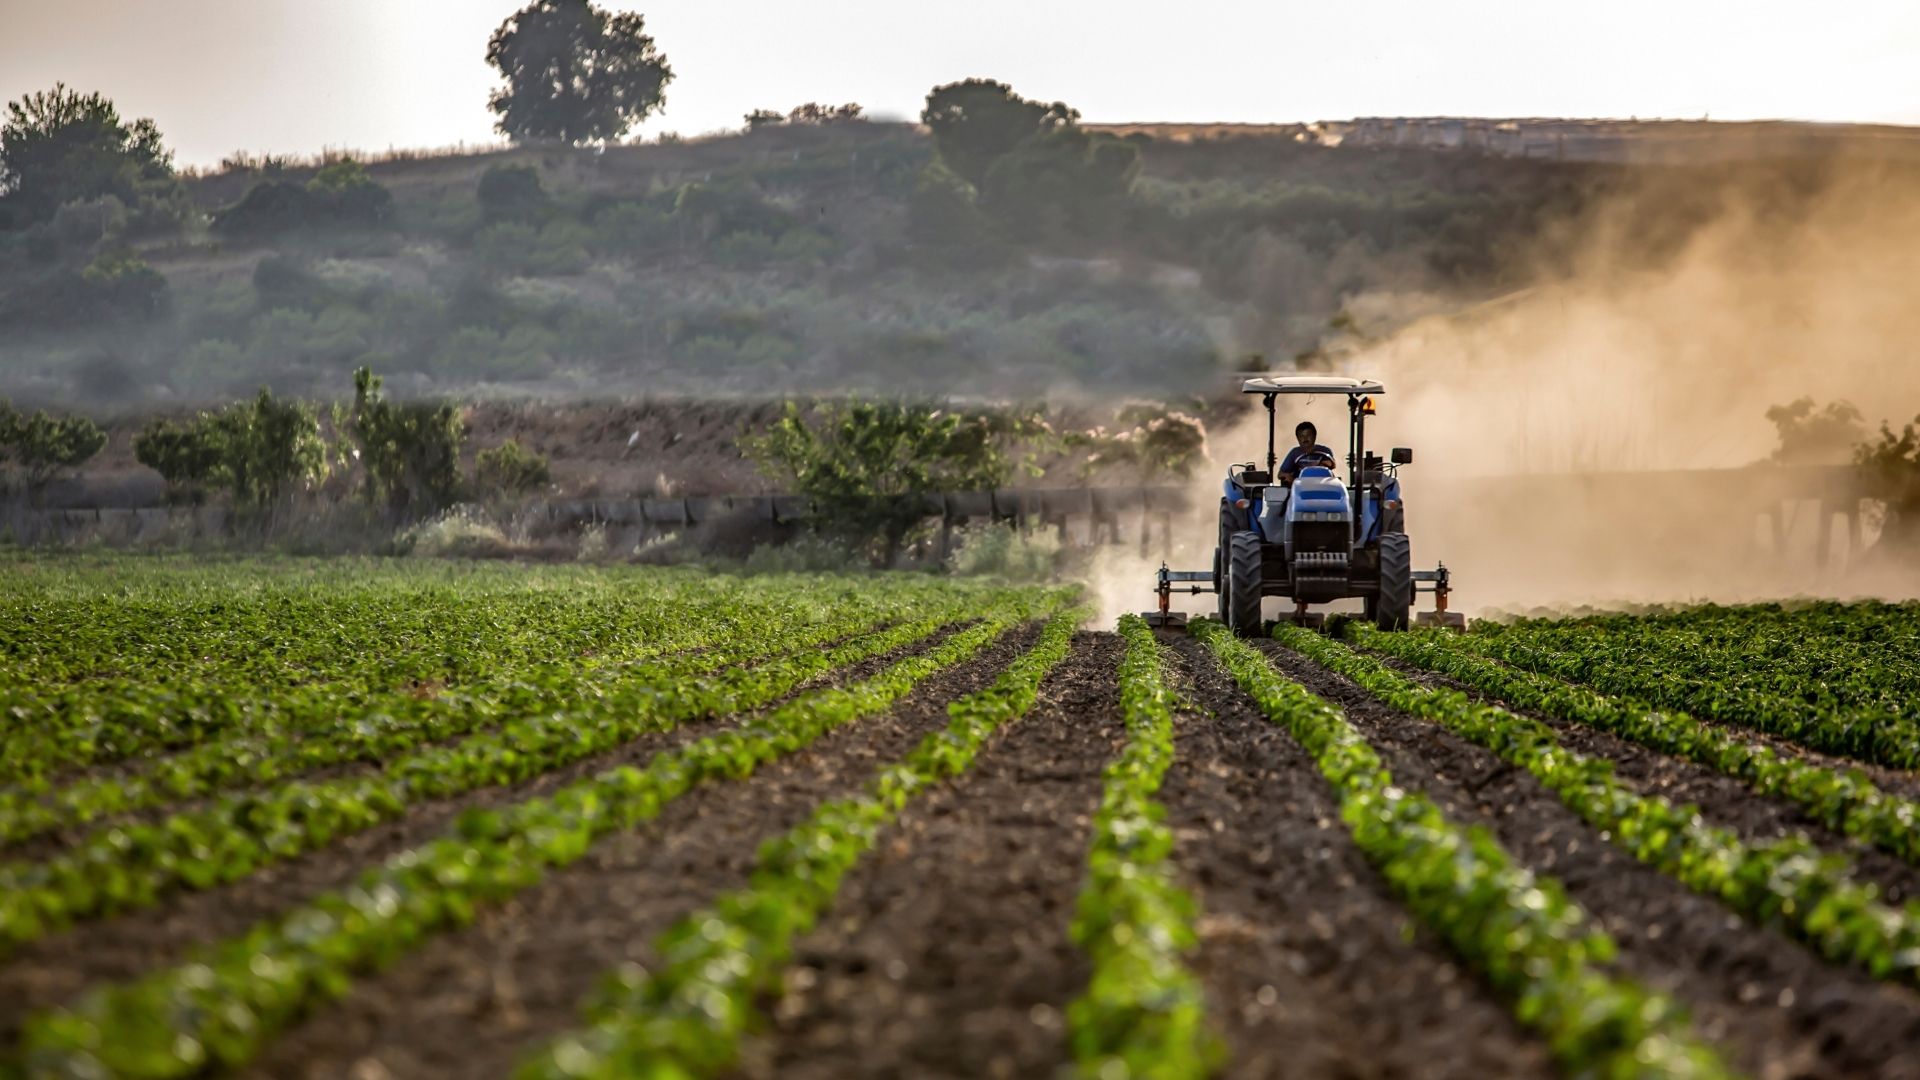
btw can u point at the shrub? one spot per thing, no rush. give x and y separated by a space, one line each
1000 551
42 445
267 446
512 193
458 532
511 469
411 452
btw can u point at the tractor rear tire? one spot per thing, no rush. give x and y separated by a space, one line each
1220 581
1243 584
1393 604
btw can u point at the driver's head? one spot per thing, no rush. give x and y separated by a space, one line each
1305 433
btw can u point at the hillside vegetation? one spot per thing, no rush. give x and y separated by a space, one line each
799 256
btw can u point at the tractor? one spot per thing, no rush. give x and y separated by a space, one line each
1311 538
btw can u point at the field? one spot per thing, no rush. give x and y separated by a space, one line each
373 819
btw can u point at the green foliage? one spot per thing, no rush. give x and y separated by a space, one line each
574 73
999 551
855 457
977 122
257 451
512 193
60 146
248 987
411 452
117 287
688 1016
42 445
340 195
1144 1012
511 469
1846 801
1833 678
1521 932
1787 882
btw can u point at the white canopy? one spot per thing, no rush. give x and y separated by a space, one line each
1310 384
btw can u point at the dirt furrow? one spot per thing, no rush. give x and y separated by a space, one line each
53 970
1722 799
472 1002
1312 966
946 953
1775 1008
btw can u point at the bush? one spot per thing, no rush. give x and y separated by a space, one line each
1000 551
42 445
512 193
411 452
458 532
116 287
511 469
258 450
340 194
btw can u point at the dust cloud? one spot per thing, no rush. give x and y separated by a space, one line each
1550 425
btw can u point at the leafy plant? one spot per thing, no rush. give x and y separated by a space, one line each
42 445
511 469
1522 932
411 452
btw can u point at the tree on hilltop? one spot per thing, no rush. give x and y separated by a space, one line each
60 146
574 73
977 122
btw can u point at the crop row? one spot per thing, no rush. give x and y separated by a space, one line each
119 867
1846 801
281 622
1825 656
686 1016
280 752
1786 882
220 1008
1522 932
1144 1013
1724 693
105 720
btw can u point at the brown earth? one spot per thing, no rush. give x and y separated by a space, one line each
54 969
471 1003
1311 965
1778 1011
947 951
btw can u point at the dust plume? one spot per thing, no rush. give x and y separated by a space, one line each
1660 325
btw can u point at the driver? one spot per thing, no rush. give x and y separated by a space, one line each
1309 452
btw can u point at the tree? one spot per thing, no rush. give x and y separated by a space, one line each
512 193
411 452
861 461
43 444
257 450
511 469
574 73
60 145
1810 436
977 122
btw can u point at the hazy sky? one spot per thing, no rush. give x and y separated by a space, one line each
284 76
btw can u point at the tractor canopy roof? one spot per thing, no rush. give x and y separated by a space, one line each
1310 384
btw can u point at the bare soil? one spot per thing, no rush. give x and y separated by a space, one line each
1311 965
1778 1011
947 952
54 969
472 1003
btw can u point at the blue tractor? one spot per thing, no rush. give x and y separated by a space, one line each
1311 538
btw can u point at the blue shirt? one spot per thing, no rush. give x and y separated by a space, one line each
1292 462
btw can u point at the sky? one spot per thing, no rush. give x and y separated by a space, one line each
280 76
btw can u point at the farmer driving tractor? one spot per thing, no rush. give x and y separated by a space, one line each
1309 452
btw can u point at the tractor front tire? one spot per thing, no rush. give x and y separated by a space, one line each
1243 584
1220 581
1392 605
